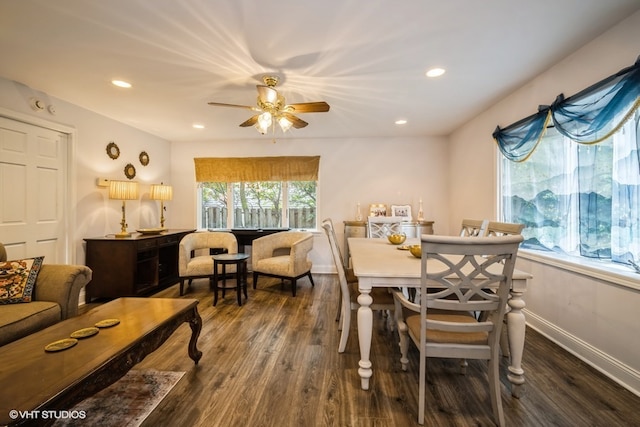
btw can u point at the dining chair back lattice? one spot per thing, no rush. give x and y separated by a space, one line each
473 227
381 226
455 275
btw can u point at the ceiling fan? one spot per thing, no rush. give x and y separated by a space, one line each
271 108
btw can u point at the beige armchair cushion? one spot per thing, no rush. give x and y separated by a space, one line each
284 255
265 258
194 258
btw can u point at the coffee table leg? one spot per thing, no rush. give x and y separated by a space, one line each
196 327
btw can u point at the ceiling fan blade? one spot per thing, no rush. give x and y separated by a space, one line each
250 122
267 94
309 107
220 104
296 122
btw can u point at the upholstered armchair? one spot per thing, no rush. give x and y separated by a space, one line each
195 254
283 255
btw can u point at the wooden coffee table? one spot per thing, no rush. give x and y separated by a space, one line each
32 379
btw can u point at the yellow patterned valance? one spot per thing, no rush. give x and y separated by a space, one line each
249 169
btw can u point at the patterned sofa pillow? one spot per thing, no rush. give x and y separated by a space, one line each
18 279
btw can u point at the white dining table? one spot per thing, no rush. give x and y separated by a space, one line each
378 263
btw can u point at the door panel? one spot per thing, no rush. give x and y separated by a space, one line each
33 179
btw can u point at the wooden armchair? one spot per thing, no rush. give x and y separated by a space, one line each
284 255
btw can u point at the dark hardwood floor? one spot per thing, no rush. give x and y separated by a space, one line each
274 362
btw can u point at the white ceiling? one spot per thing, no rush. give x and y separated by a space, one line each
366 58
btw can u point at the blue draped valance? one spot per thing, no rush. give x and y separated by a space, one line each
587 117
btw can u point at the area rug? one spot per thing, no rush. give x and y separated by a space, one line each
127 402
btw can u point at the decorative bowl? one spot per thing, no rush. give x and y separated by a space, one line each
397 238
416 251
150 231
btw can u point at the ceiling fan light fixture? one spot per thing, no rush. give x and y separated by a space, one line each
264 122
271 107
285 124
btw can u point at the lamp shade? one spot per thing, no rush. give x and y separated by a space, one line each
123 190
161 192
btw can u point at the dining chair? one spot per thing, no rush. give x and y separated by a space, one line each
284 255
382 298
473 227
381 226
351 277
194 254
455 273
495 228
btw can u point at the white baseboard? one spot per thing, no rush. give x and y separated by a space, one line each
323 269
619 372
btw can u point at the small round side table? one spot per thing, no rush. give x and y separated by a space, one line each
240 261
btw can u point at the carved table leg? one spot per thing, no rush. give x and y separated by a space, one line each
196 327
516 330
365 329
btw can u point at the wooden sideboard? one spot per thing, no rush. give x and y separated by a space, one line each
134 266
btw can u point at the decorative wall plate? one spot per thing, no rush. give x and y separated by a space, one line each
144 158
112 150
130 171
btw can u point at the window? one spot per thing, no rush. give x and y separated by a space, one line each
257 192
261 204
578 199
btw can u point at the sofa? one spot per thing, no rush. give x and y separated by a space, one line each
55 298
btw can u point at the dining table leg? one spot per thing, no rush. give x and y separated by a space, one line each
516 330
365 329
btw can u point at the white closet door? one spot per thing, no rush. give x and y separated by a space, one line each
33 177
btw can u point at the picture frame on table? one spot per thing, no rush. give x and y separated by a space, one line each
402 211
377 209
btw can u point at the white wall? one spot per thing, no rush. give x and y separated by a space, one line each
96 215
597 320
368 170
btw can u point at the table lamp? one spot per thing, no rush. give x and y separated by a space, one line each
161 192
123 190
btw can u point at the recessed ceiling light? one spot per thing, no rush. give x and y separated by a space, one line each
121 83
198 126
401 122
435 72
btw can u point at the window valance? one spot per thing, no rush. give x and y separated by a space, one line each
588 117
251 169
